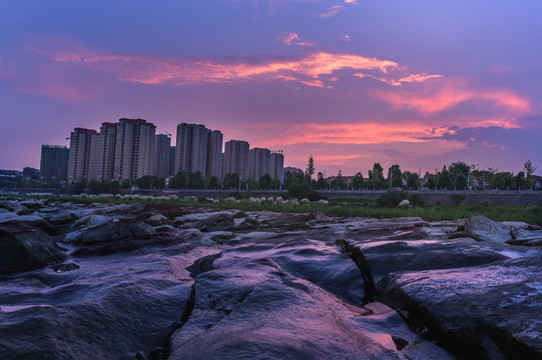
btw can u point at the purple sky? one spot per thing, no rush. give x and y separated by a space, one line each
417 83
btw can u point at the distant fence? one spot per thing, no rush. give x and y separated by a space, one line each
497 197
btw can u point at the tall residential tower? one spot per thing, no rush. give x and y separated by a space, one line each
135 149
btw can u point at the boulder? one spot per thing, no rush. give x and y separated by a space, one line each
490 311
111 307
25 248
484 229
215 221
61 219
90 221
11 206
157 220
31 220
253 308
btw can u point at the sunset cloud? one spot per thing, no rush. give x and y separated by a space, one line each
293 39
332 10
447 95
310 69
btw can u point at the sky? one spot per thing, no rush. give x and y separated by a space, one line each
419 83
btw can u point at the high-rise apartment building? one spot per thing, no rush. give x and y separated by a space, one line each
163 145
83 154
54 162
276 165
106 151
258 163
172 161
135 149
214 154
236 158
191 148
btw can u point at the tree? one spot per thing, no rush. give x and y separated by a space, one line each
310 167
529 171
395 176
357 181
376 176
498 181
443 179
265 181
460 182
195 180
338 182
413 180
214 183
520 180
458 167
231 181
321 182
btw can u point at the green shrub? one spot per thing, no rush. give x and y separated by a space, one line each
415 199
236 194
391 198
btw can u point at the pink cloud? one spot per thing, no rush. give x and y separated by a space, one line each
332 10
293 39
345 37
445 95
309 69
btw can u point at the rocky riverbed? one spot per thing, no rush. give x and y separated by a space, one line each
155 282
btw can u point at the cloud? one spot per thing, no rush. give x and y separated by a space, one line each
293 39
418 78
279 134
310 69
332 10
344 37
445 95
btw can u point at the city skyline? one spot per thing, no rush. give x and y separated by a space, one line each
416 83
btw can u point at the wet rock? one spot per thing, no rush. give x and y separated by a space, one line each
31 220
526 242
484 229
11 206
109 232
92 221
110 308
246 224
534 227
25 248
288 221
254 308
217 221
157 220
65 267
61 219
490 311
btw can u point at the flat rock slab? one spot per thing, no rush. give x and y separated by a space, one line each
248 308
106 307
490 311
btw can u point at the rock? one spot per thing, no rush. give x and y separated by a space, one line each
490 311
246 224
92 221
61 219
25 248
109 232
404 204
11 206
65 267
534 227
288 221
481 228
526 242
31 220
246 308
110 308
158 220
217 221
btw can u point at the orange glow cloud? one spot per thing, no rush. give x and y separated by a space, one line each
362 133
330 11
307 70
446 95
